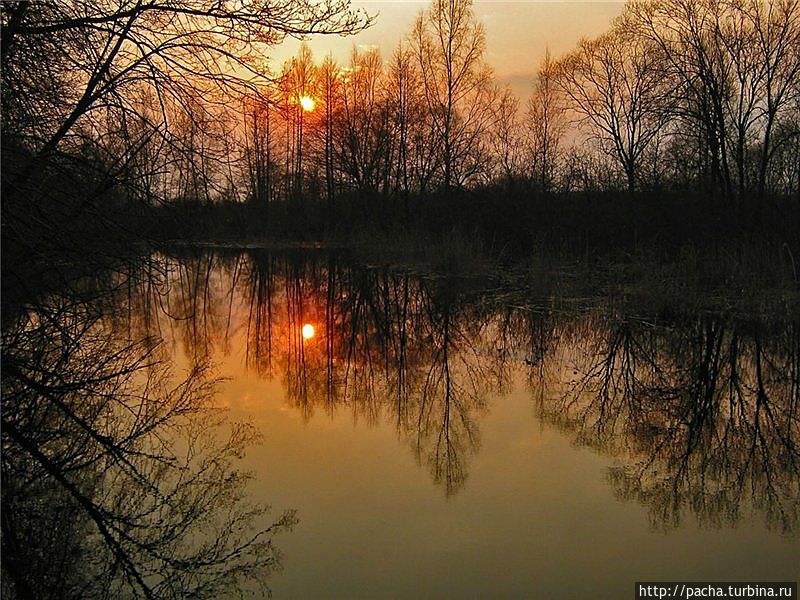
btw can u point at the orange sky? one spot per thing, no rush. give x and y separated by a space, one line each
518 32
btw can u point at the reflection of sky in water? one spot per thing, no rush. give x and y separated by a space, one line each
535 515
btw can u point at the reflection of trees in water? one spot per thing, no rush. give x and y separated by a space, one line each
385 343
115 479
187 301
703 414
455 382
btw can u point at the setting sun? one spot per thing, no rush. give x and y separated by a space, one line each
308 331
307 103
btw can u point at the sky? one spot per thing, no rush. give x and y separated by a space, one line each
518 32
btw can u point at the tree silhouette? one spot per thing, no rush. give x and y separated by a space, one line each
449 45
616 86
117 476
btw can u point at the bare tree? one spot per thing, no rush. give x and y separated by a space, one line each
505 135
616 88
328 84
736 68
363 137
402 80
258 142
776 26
684 32
449 45
546 124
298 82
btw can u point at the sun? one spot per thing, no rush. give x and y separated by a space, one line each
307 331
307 103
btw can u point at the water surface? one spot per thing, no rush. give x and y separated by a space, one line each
480 433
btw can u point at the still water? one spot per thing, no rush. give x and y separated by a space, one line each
439 433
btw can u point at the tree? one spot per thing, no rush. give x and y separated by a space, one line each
298 80
505 135
695 63
328 84
402 83
363 136
776 26
616 87
258 145
546 124
449 45
736 68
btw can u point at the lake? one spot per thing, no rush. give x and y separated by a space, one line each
418 431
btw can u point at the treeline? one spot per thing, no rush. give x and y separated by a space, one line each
677 95
171 100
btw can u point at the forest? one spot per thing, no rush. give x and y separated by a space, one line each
169 114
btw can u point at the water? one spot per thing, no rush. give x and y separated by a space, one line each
468 433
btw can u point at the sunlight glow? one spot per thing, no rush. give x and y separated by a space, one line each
307 103
308 331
